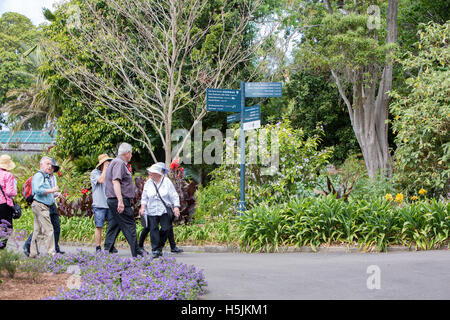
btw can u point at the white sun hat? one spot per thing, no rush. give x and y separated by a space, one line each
154 169
163 167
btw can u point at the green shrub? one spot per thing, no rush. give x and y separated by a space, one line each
421 114
327 220
33 268
214 231
299 164
9 262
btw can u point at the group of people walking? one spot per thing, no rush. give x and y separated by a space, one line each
113 190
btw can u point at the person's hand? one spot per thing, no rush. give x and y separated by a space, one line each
176 211
57 194
105 165
141 211
53 190
120 207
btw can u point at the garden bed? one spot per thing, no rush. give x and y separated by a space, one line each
22 287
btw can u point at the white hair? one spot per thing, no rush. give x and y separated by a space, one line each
124 148
44 158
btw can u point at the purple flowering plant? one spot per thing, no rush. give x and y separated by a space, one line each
111 277
6 232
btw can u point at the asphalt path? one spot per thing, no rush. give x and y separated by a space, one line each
295 276
405 275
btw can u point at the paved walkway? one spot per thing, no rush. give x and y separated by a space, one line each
300 275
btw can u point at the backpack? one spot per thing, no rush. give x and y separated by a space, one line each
27 189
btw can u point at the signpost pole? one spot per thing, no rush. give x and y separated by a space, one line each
242 200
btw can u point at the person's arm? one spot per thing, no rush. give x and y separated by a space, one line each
118 193
174 198
56 194
94 178
102 177
38 185
11 186
144 199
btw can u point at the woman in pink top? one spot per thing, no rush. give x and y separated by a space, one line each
9 187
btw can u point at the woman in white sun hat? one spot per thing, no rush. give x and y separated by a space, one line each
146 230
8 191
158 195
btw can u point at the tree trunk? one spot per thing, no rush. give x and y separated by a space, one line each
370 109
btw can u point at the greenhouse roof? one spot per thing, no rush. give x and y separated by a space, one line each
32 137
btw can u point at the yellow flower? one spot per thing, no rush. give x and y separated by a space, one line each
397 117
389 197
414 198
399 197
422 191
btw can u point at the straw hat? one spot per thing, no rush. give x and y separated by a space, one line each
155 169
102 158
6 163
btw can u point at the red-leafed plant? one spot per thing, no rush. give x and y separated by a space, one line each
186 191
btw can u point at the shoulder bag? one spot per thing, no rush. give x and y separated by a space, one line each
17 210
168 208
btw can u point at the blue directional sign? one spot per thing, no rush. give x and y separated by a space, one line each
227 100
250 114
234 117
262 89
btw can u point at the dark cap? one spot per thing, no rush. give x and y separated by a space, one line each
55 166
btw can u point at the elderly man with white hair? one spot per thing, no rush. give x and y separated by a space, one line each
119 190
43 199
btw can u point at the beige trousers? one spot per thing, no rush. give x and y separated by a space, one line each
43 230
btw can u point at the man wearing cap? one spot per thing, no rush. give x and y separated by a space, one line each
54 216
99 205
119 190
157 194
43 199
146 230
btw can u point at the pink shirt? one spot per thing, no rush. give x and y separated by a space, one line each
9 187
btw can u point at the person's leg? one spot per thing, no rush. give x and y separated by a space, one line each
54 217
127 225
99 220
27 244
109 218
49 237
171 238
173 245
165 228
6 215
113 226
143 235
36 234
154 233
45 231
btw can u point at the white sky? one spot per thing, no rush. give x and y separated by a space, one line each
29 8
